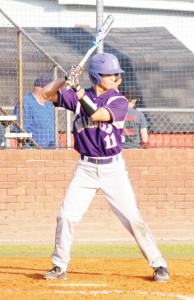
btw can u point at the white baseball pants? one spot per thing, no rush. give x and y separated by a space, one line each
112 180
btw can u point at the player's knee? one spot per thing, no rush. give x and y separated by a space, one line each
68 217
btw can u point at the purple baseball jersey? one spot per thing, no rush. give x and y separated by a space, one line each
97 139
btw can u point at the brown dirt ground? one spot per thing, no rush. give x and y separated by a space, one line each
112 279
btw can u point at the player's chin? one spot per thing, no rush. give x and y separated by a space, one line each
106 87
110 86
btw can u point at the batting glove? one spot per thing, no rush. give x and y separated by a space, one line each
72 78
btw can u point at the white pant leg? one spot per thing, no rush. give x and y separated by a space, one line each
117 189
76 201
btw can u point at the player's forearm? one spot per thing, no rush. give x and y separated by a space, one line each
96 115
49 92
101 115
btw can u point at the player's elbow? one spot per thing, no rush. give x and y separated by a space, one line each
49 96
45 94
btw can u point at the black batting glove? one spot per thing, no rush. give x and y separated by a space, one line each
72 78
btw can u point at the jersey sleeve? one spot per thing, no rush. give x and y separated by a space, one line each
117 107
67 98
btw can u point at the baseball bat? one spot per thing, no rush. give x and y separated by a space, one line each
4 112
100 35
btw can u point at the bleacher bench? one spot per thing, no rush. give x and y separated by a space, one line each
6 121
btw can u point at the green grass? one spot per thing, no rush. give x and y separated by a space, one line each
177 251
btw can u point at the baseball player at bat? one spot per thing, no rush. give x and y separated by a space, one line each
99 118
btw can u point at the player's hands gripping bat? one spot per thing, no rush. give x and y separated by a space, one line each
73 77
100 35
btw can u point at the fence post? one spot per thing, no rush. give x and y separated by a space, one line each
99 21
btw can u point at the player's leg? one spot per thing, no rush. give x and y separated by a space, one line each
76 201
119 193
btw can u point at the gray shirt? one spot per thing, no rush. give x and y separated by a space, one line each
134 121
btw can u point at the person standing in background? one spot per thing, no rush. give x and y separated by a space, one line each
38 115
135 134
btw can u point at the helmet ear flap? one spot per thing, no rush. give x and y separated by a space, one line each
95 78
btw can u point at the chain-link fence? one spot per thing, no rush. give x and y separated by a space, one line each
24 62
172 128
151 40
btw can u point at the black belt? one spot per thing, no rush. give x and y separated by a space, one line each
99 161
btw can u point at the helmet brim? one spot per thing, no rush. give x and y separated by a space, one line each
117 71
